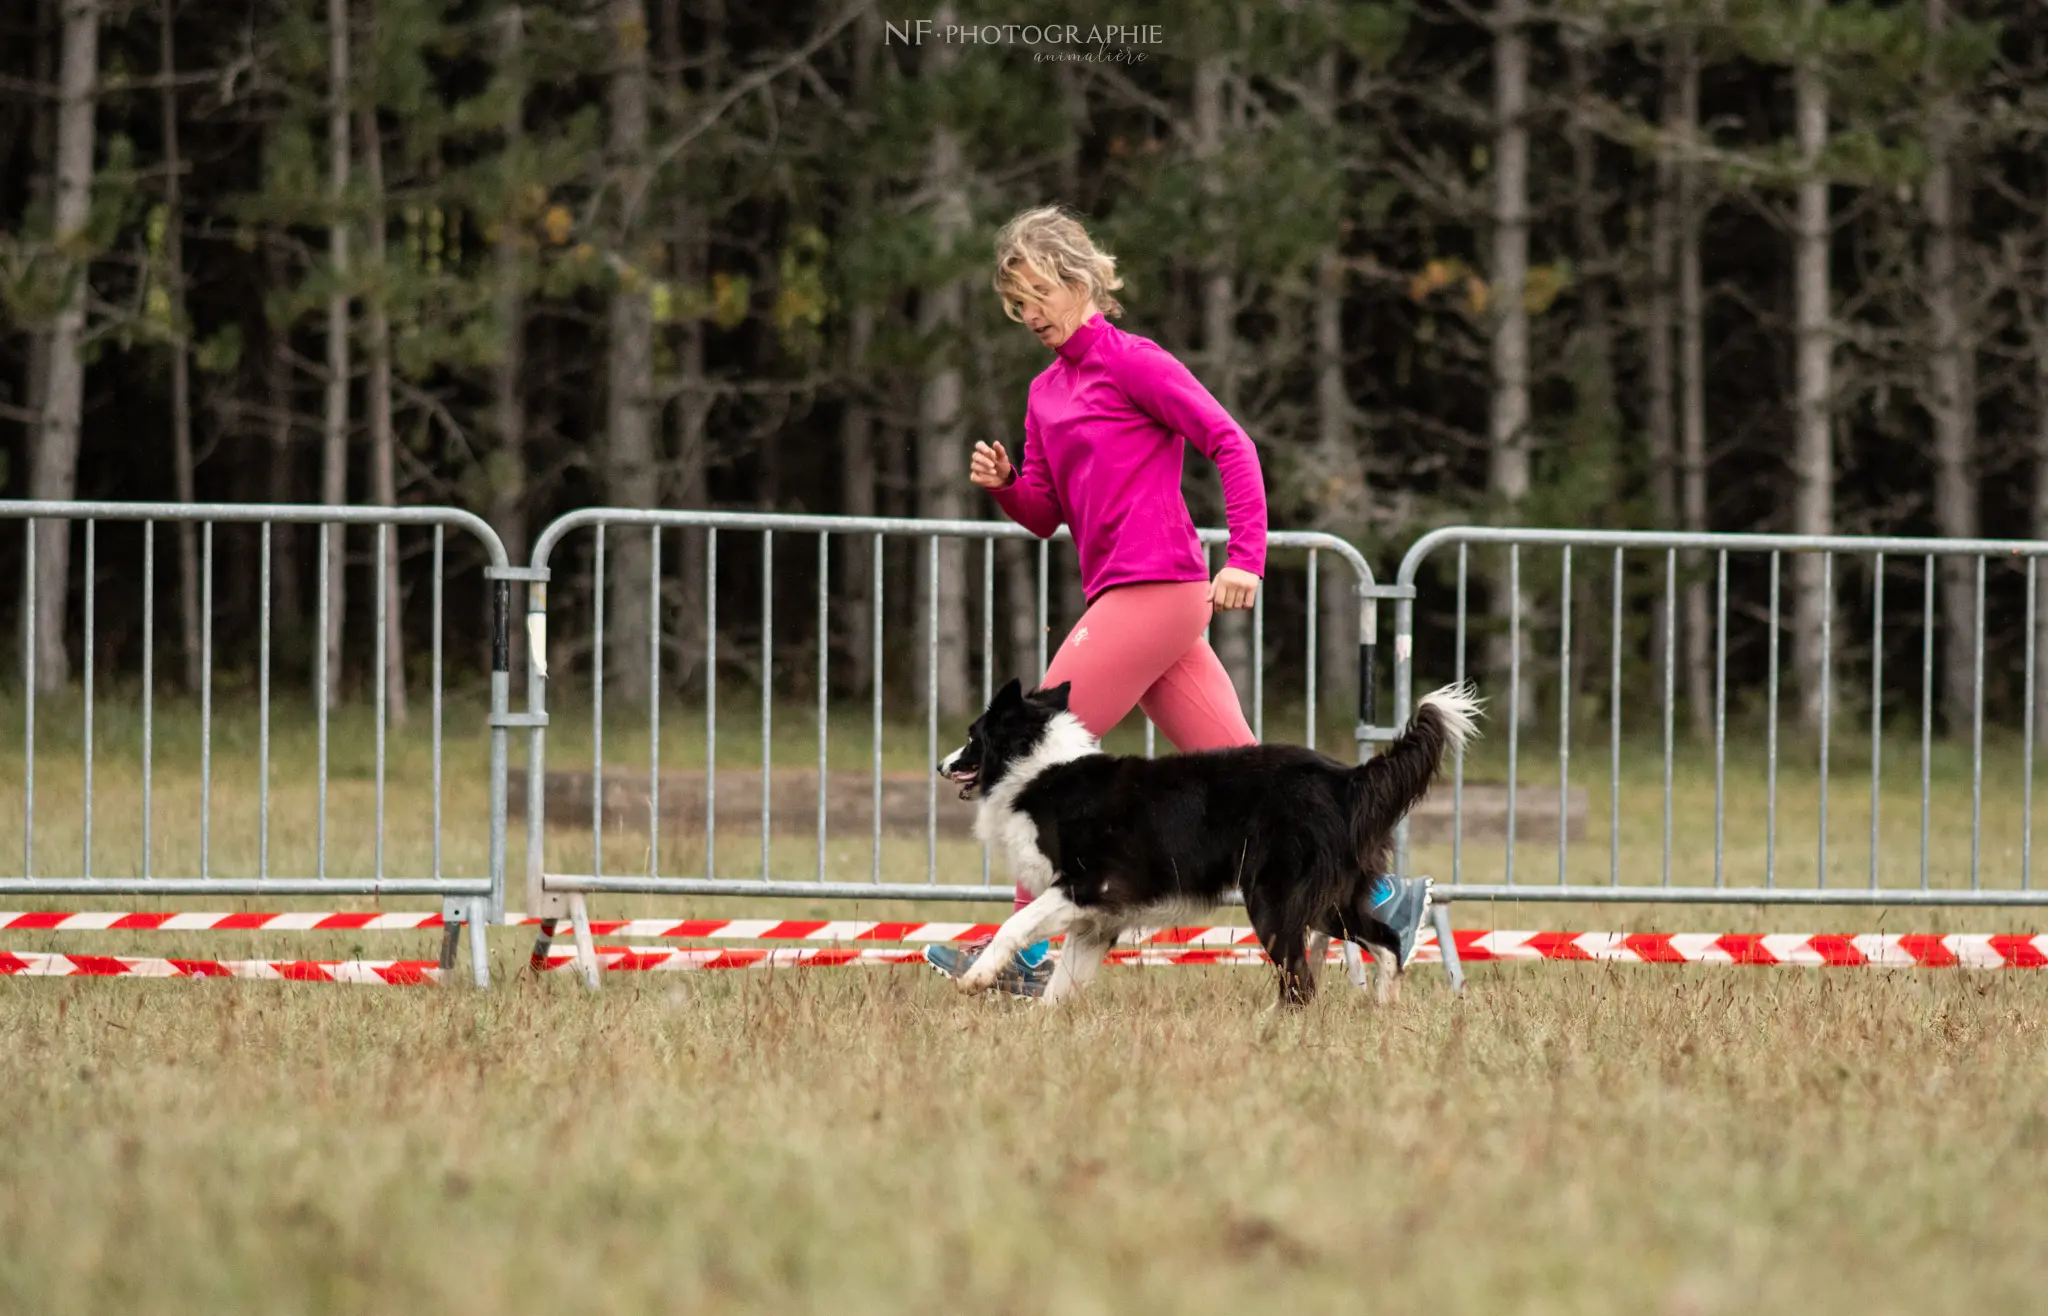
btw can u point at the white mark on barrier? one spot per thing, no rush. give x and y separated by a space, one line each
537 641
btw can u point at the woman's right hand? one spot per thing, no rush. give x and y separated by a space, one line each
991 467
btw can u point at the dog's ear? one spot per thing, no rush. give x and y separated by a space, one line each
1055 698
1011 693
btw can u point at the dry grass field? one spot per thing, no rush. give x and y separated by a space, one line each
1561 1139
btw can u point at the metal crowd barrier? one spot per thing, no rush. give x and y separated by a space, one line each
556 895
1940 873
473 900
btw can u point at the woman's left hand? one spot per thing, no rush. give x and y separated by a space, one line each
1233 588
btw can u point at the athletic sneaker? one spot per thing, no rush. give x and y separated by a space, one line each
1402 904
1027 973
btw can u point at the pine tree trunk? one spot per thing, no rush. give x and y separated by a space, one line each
1952 404
1230 632
383 441
690 259
1338 465
53 469
36 365
506 468
857 475
941 451
853 557
1813 456
1343 488
334 437
1662 426
630 475
1692 413
1598 417
281 484
181 379
1508 429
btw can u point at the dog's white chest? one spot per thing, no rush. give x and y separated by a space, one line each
1011 833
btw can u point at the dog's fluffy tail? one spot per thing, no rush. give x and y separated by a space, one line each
1395 781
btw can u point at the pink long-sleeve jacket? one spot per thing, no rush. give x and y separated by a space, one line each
1103 434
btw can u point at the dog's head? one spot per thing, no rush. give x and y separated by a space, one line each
1013 725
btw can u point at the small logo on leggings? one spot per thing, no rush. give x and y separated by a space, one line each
1080 635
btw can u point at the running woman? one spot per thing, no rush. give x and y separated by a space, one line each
1104 434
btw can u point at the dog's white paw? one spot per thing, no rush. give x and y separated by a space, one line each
973 982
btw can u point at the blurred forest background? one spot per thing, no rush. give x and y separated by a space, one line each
1754 265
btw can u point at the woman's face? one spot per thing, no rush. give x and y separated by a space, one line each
1052 311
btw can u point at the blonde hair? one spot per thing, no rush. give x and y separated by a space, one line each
1051 244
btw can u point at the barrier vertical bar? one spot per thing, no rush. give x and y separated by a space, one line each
2027 736
438 590
597 586
1458 763
324 608
875 666
1827 689
931 703
1720 715
988 649
1404 690
1670 691
824 688
1514 692
1564 713
28 706
711 700
91 579
483 910
1259 663
262 702
1771 788
1614 736
1310 740
767 688
383 662
205 691
148 683
1926 708
1977 733
653 700
1044 568
1876 705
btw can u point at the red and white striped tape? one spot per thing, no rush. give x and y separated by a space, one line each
1873 949
700 929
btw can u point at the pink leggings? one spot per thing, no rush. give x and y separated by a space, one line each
1141 646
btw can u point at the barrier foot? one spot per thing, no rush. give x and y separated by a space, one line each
479 942
586 949
1447 946
1354 965
542 944
451 931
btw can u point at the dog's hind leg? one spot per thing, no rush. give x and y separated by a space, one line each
1318 954
1078 962
1285 938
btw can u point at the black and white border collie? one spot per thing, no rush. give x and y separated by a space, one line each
1107 843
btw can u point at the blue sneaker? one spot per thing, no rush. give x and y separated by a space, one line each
1402 904
1027 973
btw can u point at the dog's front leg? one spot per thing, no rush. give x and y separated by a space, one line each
1386 976
1047 916
1077 964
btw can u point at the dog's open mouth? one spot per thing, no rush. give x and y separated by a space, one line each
965 778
